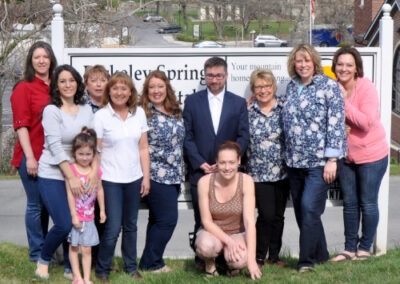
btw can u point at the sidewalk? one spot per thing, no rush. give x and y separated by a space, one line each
12 229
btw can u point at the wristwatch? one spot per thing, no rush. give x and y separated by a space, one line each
333 160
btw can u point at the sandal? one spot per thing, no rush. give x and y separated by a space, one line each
343 256
40 275
232 272
362 256
212 273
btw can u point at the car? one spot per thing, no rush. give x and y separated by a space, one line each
207 43
169 29
269 41
153 18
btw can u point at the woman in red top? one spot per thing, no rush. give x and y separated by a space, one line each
28 99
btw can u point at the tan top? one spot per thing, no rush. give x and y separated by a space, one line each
229 215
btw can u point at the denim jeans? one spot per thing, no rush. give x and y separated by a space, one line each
163 216
36 216
54 196
309 193
271 200
122 201
360 186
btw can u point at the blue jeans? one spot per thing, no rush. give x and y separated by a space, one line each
360 186
163 216
54 196
309 192
36 216
122 202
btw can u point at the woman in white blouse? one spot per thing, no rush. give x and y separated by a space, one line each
121 128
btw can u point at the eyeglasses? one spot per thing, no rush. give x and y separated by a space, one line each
261 87
219 76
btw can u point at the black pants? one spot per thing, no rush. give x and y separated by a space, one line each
271 200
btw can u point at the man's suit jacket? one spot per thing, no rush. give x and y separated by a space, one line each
201 143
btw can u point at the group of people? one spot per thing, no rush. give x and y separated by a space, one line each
82 140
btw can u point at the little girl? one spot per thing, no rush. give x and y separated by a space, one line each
84 233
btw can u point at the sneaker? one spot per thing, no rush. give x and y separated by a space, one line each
304 269
135 275
68 275
164 269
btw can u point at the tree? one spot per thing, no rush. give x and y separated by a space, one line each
22 23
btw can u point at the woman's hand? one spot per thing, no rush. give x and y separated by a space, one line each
234 251
344 92
75 185
145 188
75 221
251 99
330 171
254 270
103 217
348 129
91 182
32 166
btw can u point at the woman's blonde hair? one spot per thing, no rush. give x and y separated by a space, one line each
305 48
263 74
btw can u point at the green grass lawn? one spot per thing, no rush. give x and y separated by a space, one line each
16 268
394 171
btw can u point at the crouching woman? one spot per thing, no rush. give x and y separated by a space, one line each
227 204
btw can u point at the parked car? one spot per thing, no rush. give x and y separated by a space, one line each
153 18
208 43
169 29
269 41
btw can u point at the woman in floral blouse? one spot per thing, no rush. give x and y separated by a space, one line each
314 128
266 165
166 134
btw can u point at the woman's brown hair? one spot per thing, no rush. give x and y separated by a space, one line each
171 104
122 77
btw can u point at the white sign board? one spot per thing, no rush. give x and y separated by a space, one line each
184 66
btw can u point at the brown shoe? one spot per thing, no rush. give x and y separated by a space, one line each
277 262
136 275
103 279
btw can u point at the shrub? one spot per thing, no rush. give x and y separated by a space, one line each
8 142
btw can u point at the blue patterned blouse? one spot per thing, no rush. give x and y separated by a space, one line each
165 135
313 122
265 152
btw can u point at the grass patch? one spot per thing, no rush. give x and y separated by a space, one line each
16 268
8 177
394 169
232 30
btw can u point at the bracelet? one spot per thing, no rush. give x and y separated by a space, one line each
333 160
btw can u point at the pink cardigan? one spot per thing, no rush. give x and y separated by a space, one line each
366 140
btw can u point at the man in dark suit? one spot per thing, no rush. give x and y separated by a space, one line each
212 116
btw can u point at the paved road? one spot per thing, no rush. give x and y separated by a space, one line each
12 229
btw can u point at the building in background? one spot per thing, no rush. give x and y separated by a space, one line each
366 33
